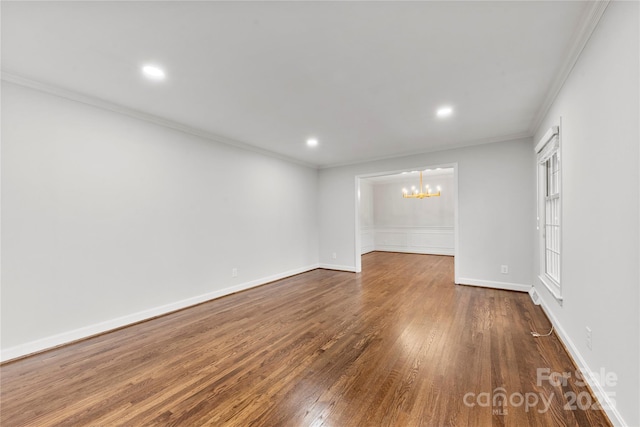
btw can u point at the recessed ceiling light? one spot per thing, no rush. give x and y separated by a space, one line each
444 111
153 72
312 142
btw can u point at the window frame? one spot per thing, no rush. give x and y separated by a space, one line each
547 149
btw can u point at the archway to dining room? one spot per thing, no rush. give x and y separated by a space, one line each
408 211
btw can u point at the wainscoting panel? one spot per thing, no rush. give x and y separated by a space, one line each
367 243
417 240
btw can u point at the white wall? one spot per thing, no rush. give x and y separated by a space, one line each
367 225
107 219
600 148
392 210
496 211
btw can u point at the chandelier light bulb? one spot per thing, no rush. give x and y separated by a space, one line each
416 192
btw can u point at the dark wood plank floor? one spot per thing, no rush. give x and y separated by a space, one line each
398 345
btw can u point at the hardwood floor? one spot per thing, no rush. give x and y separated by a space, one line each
397 345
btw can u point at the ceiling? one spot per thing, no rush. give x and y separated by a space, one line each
364 78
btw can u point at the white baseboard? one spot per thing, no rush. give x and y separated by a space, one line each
496 285
108 325
605 402
349 268
422 250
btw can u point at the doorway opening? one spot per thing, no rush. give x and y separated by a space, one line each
396 212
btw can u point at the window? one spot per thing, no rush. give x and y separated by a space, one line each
552 219
549 211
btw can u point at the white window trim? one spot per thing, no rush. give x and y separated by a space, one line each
546 147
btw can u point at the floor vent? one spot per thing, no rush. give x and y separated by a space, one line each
534 296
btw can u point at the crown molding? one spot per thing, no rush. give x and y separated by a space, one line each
465 144
588 23
121 109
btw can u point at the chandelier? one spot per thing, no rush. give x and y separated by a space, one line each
417 193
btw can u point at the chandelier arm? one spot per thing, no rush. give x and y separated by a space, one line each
419 194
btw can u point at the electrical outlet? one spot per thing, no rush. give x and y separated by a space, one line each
504 269
334 255
588 337
234 272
